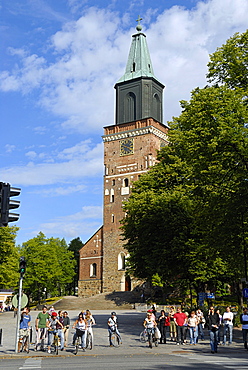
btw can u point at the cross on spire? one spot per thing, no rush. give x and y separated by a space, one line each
139 27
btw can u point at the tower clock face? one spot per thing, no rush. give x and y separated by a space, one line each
126 146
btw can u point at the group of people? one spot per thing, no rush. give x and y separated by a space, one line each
181 324
49 322
176 322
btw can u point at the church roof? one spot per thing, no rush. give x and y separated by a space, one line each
139 62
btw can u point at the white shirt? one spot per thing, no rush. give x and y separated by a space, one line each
228 315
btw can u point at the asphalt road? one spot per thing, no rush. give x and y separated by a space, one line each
132 354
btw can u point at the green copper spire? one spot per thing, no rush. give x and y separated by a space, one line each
139 62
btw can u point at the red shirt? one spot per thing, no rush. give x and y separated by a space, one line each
180 318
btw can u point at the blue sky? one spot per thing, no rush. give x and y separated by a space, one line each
59 62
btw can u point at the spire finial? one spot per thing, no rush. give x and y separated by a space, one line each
139 27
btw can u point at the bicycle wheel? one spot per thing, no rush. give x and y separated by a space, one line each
56 345
143 337
76 345
89 341
26 344
115 340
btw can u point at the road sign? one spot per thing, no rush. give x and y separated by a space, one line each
210 295
245 292
24 301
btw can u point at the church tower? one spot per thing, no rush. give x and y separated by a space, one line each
130 149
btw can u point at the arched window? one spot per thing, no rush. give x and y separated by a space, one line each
93 270
130 107
125 183
157 107
121 261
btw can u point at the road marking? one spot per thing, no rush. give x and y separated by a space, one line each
31 363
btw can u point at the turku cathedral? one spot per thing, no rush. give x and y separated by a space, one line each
130 149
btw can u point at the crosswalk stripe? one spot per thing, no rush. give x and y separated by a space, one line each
31 363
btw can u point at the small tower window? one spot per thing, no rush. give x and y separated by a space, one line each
121 261
134 67
125 182
113 218
93 270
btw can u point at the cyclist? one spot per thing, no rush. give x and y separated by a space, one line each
54 325
24 328
113 326
40 325
150 325
81 326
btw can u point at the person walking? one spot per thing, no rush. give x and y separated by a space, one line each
66 326
163 323
150 325
193 327
180 320
41 327
201 322
173 330
24 328
113 326
244 322
213 322
228 325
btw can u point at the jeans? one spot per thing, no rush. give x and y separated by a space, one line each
193 334
228 327
110 335
200 331
60 335
245 332
180 333
82 335
213 340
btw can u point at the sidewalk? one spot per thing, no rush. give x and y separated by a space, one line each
130 327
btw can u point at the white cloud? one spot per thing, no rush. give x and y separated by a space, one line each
9 148
72 163
72 225
91 54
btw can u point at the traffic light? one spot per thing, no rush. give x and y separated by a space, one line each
22 266
6 203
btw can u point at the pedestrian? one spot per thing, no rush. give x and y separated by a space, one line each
214 322
193 327
24 328
201 323
113 326
66 326
228 325
163 322
41 327
244 322
173 329
180 319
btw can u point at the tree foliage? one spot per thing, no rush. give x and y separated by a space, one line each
50 265
187 217
9 262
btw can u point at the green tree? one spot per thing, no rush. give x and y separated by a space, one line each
229 64
74 246
180 220
50 266
9 263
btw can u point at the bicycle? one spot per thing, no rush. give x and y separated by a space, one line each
42 340
78 343
115 339
55 344
24 341
89 340
144 336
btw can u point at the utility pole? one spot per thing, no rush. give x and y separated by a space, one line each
22 269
